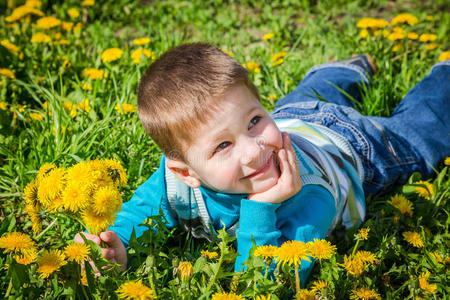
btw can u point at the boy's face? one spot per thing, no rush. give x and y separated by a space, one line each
236 150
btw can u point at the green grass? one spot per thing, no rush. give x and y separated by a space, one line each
311 32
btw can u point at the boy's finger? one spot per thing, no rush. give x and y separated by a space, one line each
108 253
111 238
78 239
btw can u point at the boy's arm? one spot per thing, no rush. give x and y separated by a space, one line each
303 217
147 201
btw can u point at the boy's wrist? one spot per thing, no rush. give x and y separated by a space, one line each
258 216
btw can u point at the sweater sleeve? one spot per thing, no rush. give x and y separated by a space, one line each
147 201
303 217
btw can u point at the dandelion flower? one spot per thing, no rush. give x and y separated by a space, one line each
226 296
307 294
322 249
73 13
116 171
88 3
111 54
413 238
412 36
292 252
424 285
364 33
445 56
394 36
27 256
16 241
7 72
136 55
405 18
209 254
266 251
372 23
228 52
363 233
320 284
135 291
67 26
96 223
107 200
22 11
44 170
353 266
84 105
30 193
427 37
425 191
263 297
40 37
402 204
47 22
364 293
431 46
93 73
278 55
437 256
141 41
253 66
10 46
49 262
77 252
268 36
277 62
86 87
185 270
3 105
76 196
50 186
365 256
125 108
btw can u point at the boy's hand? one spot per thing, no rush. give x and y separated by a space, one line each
289 182
116 252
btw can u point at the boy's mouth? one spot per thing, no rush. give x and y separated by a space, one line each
263 169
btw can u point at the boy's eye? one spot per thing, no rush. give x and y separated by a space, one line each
254 121
222 146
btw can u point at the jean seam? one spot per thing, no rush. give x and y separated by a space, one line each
355 68
442 63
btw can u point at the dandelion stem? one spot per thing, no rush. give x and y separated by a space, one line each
47 229
356 247
297 282
219 264
152 283
8 291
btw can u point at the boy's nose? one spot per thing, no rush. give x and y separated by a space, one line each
252 151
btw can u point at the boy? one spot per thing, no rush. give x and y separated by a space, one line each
292 175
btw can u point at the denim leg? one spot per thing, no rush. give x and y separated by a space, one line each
325 80
422 118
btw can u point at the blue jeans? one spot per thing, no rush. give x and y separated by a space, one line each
416 137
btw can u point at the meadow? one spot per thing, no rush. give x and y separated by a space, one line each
68 90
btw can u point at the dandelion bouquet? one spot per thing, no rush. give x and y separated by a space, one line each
88 191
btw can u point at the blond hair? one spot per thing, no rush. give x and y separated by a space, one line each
180 91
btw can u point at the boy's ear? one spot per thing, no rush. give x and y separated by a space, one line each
183 172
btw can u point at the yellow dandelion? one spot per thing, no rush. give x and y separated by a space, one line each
353 267
36 116
111 54
33 3
88 3
56 204
394 36
125 108
306 294
437 256
73 13
77 252
22 11
135 291
272 97
264 297
412 36
86 87
93 73
49 262
47 22
278 55
141 41
16 241
268 36
366 257
427 37
226 296
209 254
185 270
266 251
51 185
402 204
253 66
320 284
77 28
30 193
277 62
322 249
424 285
413 238
228 52
99 173
3 105
10 46
107 200
76 196
431 46
44 170
67 26
136 55
292 252
429 18
27 256
405 19
364 33
96 224
442 57
32 211
7 73
364 293
365 23
424 191
363 233
84 105
40 37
